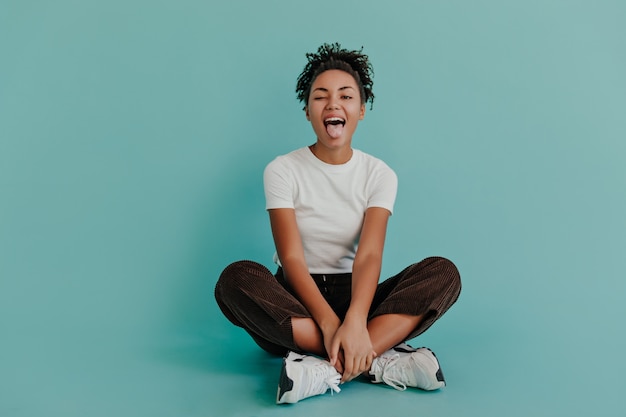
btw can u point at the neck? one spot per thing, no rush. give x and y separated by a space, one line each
331 156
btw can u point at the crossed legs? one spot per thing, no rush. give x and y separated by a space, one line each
386 331
404 306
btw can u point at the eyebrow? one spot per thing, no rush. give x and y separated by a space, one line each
340 89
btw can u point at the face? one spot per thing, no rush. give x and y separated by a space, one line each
334 109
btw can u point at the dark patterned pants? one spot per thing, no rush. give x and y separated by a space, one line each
263 304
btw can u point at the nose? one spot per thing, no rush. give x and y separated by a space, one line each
332 104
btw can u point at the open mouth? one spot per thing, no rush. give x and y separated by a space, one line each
334 121
334 126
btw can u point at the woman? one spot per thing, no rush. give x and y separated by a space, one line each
329 205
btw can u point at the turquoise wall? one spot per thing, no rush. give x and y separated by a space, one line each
133 136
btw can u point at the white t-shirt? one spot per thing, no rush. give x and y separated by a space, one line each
329 202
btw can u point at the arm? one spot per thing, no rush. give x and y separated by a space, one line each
352 337
291 254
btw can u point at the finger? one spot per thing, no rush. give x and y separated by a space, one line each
368 361
348 369
362 366
341 360
339 363
334 350
356 369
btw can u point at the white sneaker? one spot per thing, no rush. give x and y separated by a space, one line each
304 376
404 366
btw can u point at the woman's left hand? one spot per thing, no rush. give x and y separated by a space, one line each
352 340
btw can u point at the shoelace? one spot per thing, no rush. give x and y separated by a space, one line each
320 374
386 364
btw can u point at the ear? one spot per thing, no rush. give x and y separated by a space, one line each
306 113
362 112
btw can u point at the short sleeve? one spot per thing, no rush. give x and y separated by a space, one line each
384 188
277 185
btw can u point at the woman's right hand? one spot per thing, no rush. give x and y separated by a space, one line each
329 329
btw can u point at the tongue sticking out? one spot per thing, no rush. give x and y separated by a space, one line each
334 129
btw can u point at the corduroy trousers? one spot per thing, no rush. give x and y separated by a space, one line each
263 304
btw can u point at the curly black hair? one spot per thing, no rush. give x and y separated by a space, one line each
333 56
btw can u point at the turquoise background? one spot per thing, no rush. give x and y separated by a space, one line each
133 136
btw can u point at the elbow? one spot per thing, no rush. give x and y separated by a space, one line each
371 261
